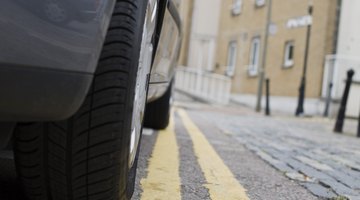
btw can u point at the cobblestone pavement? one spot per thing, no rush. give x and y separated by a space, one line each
325 163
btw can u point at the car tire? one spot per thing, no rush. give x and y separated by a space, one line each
89 156
157 115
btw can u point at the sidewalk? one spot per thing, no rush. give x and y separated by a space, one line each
284 105
304 149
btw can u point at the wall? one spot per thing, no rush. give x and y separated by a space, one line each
349 30
186 13
203 33
251 23
347 57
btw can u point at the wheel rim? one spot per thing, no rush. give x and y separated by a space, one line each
55 11
144 67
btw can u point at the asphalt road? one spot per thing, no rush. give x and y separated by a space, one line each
193 159
208 164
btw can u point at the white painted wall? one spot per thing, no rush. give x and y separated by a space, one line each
349 32
349 45
348 57
204 32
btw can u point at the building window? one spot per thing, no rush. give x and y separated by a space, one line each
236 7
254 57
260 3
231 61
289 54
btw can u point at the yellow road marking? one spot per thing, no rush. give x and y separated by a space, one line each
163 181
221 182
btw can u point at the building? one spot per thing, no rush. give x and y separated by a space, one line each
186 12
200 32
346 57
349 30
241 42
228 37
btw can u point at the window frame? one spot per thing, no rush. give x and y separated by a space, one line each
236 7
231 58
288 63
254 57
260 3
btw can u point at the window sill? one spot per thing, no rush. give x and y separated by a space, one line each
252 75
288 65
258 6
231 75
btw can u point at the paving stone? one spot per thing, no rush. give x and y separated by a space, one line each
334 164
338 172
339 188
307 170
299 177
281 166
315 164
320 190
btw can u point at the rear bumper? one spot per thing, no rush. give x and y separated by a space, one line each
40 94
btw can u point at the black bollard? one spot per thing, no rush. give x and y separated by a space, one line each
267 109
328 101
341 115
358 131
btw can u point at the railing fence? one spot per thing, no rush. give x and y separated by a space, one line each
207 86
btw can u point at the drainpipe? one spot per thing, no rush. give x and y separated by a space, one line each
264 55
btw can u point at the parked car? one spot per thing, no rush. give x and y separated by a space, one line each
73 102
63 11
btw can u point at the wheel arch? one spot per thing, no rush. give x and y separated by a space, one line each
163 5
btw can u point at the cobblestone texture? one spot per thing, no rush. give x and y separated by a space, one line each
327 164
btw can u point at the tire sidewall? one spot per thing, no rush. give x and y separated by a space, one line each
130 98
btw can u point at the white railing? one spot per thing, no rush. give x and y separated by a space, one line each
210 87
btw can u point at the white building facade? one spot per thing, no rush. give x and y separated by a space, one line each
203 34
347 57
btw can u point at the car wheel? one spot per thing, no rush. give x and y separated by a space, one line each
157 113
93 155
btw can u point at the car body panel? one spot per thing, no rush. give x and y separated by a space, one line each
30 41
167 53
46 68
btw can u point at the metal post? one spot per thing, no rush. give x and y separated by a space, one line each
267 109
199 70
300 106
264 54
328 100
358 130
341 115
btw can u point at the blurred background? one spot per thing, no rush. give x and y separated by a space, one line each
304 48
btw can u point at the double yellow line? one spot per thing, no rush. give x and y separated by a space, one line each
163 181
